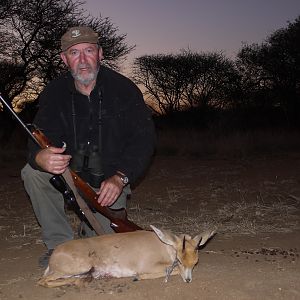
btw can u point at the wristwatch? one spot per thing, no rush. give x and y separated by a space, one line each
123 177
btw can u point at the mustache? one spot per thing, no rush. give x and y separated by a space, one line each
87 66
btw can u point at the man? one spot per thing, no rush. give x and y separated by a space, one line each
102 119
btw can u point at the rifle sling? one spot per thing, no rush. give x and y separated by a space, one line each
82 204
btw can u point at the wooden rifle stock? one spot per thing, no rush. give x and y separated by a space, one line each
117 217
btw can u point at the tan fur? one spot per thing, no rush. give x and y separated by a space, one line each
138 254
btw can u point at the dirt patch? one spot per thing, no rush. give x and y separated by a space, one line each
253 203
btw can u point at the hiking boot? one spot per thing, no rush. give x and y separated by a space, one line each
44 259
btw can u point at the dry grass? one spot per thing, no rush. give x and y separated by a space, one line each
242 216
239 217
256 217
269 212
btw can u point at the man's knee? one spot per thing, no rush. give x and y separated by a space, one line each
37 185
36 177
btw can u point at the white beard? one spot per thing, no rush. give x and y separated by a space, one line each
86 79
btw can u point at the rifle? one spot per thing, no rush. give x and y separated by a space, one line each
117 217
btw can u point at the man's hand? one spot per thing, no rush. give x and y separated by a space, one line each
53 160
110 190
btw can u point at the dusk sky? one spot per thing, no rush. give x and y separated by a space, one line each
164 26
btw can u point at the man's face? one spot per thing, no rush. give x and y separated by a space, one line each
83 61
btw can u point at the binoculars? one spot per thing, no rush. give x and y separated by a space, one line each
88 165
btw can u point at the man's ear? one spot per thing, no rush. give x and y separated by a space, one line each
64 58
101 56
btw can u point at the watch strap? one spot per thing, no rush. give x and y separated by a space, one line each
123 178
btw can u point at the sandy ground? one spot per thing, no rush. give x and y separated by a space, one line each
254 203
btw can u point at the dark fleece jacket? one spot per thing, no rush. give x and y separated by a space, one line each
128 135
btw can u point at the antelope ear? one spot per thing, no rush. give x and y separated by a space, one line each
202 238
165 236
198 241
183 244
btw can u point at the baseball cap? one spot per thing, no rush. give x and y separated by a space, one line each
77 35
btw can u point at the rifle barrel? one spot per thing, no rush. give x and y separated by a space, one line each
18 119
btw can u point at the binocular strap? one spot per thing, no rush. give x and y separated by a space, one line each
82 204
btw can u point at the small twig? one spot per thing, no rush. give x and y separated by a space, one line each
294 197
